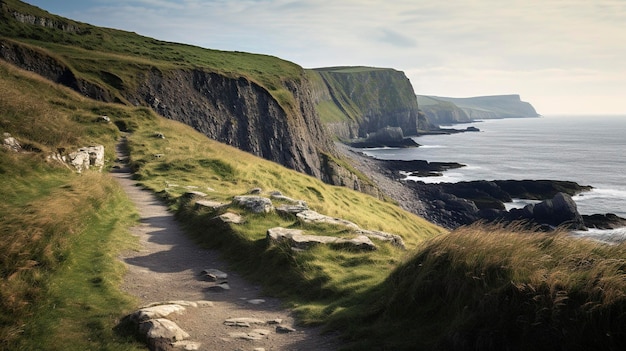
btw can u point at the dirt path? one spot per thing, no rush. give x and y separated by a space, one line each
167 268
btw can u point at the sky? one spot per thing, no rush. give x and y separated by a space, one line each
562 56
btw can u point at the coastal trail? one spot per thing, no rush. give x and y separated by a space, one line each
167 267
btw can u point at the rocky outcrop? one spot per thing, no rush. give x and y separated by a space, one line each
385 137
357 101
87 157
560 211
10 143
239 112
300 241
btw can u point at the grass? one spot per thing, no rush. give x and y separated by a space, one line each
494 288
117 58
60 231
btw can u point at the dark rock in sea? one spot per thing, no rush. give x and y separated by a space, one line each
445 203
560 211
604 221
385 137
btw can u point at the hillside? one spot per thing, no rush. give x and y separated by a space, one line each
477 288
482 107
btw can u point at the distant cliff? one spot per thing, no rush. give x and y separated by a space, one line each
355 101
490 107
441 112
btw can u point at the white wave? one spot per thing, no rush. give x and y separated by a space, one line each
611 236
433 146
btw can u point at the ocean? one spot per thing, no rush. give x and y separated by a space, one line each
589 150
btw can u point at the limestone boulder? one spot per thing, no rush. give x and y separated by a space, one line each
310 216
11 143
253 203
162 329
298 240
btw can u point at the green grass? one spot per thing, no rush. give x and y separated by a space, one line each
60 232
117 58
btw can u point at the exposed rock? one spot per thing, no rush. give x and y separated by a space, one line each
384 137
297 239
211 205
162 328
255 191
221 287
243 322
394 239
104 119
284 329
256 204
280 197
187 345
291 209
159 135
560 210
604 221
231 218
214 275
86 157
155 312
11 143
310 216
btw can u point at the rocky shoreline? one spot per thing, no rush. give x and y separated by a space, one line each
451 205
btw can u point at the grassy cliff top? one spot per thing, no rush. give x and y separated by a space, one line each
90 49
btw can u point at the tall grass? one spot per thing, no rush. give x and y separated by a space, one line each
497 288
60 231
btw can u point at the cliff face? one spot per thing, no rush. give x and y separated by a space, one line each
489 107
240 113
355 101
441 112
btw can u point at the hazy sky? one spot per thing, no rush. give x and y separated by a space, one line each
563 56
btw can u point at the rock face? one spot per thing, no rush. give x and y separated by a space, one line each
440 111
496 106
241 113
86 157
368 99
561 210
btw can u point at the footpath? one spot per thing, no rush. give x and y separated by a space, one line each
189 292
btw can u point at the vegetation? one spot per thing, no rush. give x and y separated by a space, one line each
479 288
60 232
495 288
112 57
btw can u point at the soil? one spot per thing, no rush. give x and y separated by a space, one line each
167 267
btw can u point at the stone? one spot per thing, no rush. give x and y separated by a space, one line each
394 239
280 197
243 322
256 204
291 209
86 157
104 119
214 275
159 135
162 328
155 312
231 218
284 329
219 287
11 143
255 191
187 345
310 216
297 239
211 205
275 321
560 210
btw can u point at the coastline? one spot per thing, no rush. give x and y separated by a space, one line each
452 205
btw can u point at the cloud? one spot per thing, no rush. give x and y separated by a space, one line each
455 47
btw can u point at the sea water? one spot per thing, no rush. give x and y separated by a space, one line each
589 150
